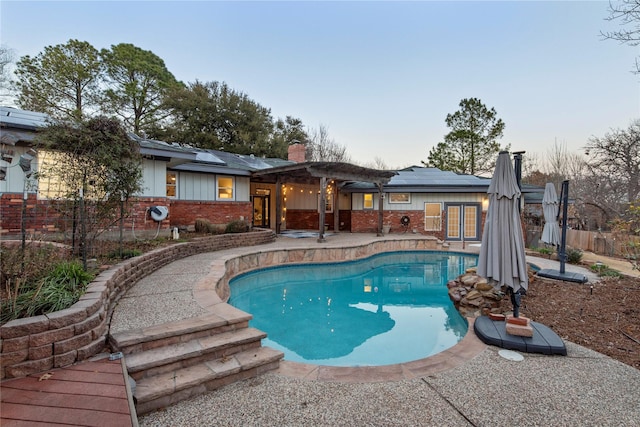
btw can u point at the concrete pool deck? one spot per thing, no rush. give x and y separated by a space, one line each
470 384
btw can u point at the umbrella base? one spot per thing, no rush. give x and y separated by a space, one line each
566 276
544 340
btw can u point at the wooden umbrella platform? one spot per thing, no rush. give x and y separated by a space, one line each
543 339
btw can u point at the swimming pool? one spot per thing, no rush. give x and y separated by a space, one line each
385 309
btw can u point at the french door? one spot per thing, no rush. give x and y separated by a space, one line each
463 221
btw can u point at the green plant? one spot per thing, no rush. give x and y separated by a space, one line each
126 254
574 256
604 270
610 272
544 251
237 226
59 289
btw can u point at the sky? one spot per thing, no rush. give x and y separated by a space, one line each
381 76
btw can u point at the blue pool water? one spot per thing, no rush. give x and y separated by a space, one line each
386 309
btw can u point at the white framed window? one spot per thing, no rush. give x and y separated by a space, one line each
367 202
225 188
432 216
399 197
172 187
328 203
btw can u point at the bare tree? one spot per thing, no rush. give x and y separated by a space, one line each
561 164
628 13
530 165
376 163
7 59
604 185
323 148
617 156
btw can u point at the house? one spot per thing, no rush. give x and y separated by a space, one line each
190 183
180 183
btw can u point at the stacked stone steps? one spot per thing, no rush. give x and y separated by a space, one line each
178 360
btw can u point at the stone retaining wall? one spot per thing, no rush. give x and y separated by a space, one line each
58 339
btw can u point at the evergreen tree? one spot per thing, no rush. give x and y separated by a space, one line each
471 146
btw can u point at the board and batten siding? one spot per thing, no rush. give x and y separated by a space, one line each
196 186
199 186
190 185
15 179
154 178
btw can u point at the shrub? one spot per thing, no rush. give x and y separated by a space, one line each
237 226
59 289
204 226
574 256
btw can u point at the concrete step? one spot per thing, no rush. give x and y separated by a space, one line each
184 354
223 318
165 389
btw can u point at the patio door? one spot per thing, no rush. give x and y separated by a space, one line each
463 221
261 211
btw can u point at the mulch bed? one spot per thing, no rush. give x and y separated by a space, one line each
603 316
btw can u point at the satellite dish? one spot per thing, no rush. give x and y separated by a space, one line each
158 213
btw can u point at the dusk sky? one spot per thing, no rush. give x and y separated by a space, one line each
381 76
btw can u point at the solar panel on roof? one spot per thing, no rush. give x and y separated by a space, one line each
207 157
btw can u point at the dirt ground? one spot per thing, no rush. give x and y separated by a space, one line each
605 319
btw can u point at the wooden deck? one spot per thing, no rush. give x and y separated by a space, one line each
91 393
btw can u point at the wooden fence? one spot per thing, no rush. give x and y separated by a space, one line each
593 241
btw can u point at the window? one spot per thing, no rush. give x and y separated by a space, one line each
328 203
225 188
432 216
328 206
172 179
368 201
399 198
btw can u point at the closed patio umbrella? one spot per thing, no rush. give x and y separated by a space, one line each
502 258
551 231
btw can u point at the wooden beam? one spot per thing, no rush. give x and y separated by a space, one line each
322 207
336 209
278 205
380 208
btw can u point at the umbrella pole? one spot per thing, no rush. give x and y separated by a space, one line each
516 300
562 255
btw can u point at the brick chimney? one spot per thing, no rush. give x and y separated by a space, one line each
296 153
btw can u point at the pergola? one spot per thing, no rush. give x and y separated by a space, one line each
319 173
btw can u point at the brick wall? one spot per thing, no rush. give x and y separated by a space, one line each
183 213
41 215
298 219
58 339
46 216
367 222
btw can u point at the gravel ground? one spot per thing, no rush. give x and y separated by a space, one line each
584 388
164 296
